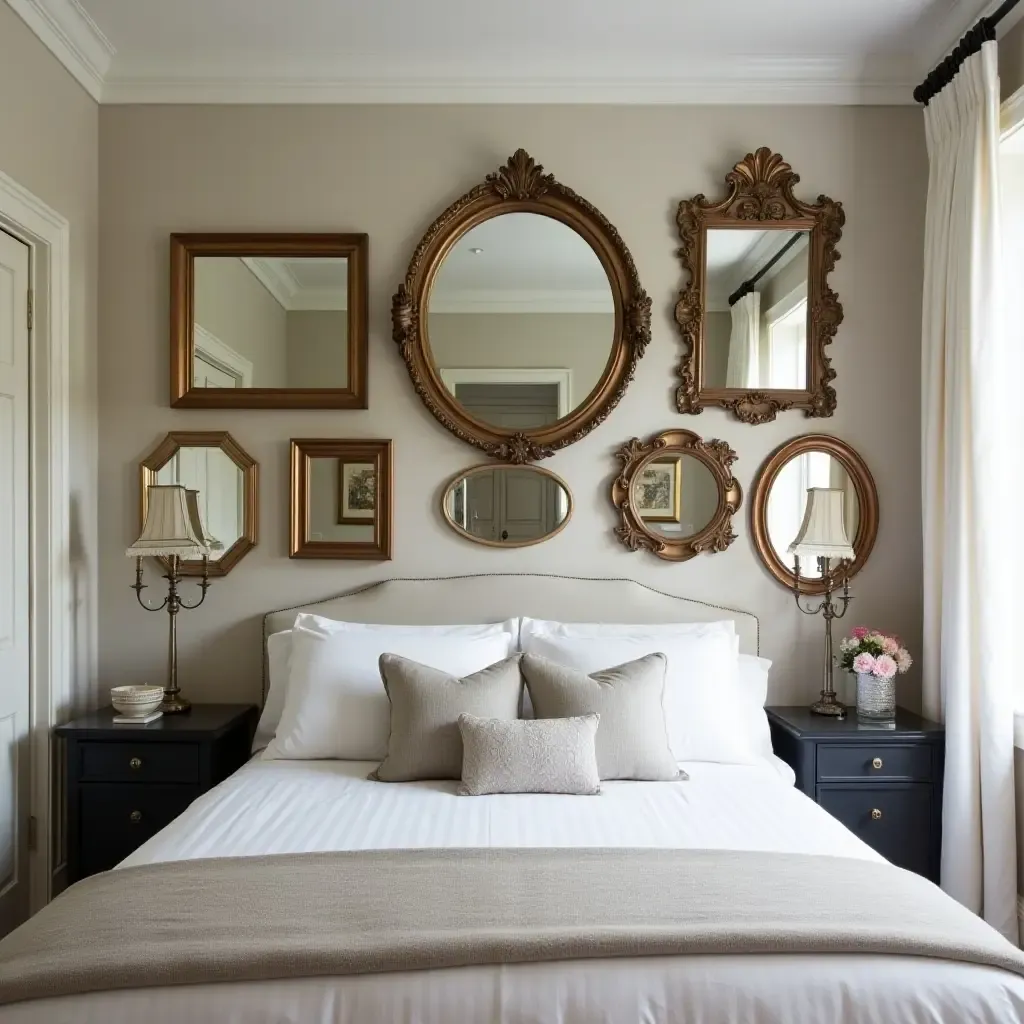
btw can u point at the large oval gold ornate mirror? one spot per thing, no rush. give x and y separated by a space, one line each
226 477
521 318
780 498
507 506
676 495
757 311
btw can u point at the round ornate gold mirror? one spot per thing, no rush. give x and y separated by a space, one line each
676 495
521 318
507 506
780 498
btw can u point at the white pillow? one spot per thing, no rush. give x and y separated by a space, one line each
702 688
336 706
552 627
753 697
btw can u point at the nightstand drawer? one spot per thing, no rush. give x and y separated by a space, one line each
120 817
139 762
874 761
894 819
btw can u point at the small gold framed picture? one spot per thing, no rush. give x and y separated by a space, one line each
657 491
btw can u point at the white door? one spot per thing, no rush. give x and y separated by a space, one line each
208 375
14 583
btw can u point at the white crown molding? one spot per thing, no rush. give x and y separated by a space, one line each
275 276
479 300
68 32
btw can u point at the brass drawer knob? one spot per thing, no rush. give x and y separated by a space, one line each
877 763
136 763
876 814
135 817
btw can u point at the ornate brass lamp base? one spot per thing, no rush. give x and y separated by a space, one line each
174 704
828 705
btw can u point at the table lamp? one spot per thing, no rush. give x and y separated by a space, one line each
823 536
173 530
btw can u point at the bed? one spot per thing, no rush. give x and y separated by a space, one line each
296 807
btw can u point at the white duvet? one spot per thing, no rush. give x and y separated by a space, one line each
292 806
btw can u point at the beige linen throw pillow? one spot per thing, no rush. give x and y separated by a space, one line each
550 755
425 706
632 739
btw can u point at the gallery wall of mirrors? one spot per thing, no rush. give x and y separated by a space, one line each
521 321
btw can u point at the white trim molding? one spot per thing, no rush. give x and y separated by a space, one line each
217 353
502 300
452 376
48 235
275 274
67 31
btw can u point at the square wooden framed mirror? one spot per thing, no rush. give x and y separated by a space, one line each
269 321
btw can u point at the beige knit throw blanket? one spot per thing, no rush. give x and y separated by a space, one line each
308 915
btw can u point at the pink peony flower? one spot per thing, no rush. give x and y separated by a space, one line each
890 647
864 663
903 660
859 632
885 666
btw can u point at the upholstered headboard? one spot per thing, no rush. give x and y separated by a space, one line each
494 597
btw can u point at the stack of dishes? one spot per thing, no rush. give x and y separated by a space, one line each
136 701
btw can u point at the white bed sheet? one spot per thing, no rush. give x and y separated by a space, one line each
293 806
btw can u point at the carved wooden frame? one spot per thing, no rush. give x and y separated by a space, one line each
867 499
760 193
185 249
379 452
520 186
716 455
165 451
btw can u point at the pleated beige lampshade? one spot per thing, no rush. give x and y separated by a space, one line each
171 528
822 534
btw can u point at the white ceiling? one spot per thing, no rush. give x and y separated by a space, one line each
479 51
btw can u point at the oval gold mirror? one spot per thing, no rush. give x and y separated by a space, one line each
780 498
521 317
212 463
676 495
507 506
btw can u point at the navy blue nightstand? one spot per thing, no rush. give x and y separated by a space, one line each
885 785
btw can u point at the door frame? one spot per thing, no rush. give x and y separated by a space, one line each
47 234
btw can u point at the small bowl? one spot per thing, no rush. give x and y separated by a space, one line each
136 701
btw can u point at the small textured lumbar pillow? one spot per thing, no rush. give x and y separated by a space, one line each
632 742
551 755
425 706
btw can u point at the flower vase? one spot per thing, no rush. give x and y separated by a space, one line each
876 698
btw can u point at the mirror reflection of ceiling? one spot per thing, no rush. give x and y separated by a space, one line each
755 328
510 505
787 501
675 496
221 487
270 322
520 316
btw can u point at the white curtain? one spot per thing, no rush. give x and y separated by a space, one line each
744 342
970 627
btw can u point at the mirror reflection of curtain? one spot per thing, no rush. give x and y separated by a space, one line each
788 499
744 342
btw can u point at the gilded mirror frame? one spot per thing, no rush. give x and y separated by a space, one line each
379 452
760 194
716 455
185 248
521 186
867 500
165 451
490 467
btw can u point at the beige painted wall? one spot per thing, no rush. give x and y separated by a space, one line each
347 169
233 306
317 348
581 342
49 145
718 334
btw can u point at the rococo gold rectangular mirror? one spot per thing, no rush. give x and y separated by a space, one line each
757 312
268 321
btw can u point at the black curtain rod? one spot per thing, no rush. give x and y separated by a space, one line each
748 286
983 32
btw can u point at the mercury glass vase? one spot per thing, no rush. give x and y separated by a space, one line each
876 698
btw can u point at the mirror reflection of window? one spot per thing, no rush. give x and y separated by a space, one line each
521 320
755 329
788 499
270 322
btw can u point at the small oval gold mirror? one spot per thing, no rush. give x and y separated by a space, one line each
507 506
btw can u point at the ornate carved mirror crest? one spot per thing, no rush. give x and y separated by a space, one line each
521 317
758 312
676 495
